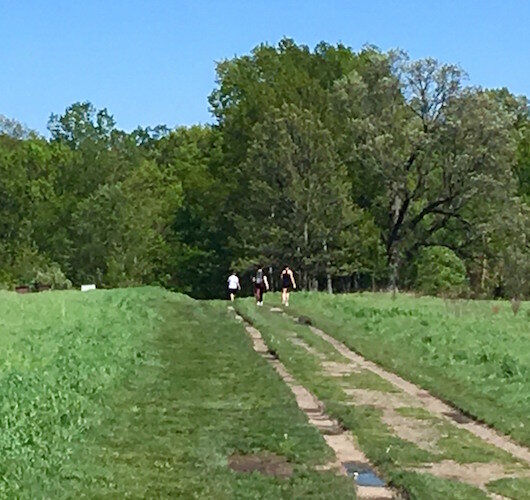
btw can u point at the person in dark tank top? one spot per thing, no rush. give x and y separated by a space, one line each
288 283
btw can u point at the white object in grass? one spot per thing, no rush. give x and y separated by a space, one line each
87 288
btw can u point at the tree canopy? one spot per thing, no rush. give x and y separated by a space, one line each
348 166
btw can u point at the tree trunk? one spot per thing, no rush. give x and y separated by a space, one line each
329 283
394 264
306 251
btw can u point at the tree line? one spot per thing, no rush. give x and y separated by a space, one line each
358 169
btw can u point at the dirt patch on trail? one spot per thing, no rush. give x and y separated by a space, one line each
336 369
302 343
422 433
380 399
429 402
477 474
266 463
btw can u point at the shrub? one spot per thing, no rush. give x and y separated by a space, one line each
52 275
441 272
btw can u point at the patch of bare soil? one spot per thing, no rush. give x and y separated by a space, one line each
302 343
380 399
336 369
477 474
420 432
266 463
429 402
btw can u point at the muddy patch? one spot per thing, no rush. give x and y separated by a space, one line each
304 320
363 474
458 417
269 464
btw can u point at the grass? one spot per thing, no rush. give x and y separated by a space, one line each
365 379
517 489
144 393
388 452
475 354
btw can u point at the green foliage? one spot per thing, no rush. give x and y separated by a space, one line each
515 488
53 276
441 272
61 353
343 164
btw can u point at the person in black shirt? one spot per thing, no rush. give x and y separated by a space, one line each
288 283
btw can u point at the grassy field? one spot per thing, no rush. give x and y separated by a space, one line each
475 354
144 393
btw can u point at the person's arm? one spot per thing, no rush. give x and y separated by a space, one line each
266 281
238 284
292 280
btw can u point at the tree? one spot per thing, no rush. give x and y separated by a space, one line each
429 149
198 256
299 210
441 272
120 229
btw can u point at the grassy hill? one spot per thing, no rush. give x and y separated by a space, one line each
146 393
143 393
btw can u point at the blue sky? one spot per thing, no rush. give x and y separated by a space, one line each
153 62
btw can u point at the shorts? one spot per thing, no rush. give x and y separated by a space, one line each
232 290
287 283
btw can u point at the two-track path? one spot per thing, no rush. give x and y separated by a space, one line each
425 433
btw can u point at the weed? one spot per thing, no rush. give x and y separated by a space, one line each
516 305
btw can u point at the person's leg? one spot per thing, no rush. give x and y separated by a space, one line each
284 291
260 295
232 295
287 297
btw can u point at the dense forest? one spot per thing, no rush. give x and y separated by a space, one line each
360 170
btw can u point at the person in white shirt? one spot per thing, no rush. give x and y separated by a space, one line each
233 285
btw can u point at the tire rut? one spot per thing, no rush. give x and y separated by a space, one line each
425 436
340 440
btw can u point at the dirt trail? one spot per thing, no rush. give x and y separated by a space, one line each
414 415
339 440
422 398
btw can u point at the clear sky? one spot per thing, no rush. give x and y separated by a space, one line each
153 62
